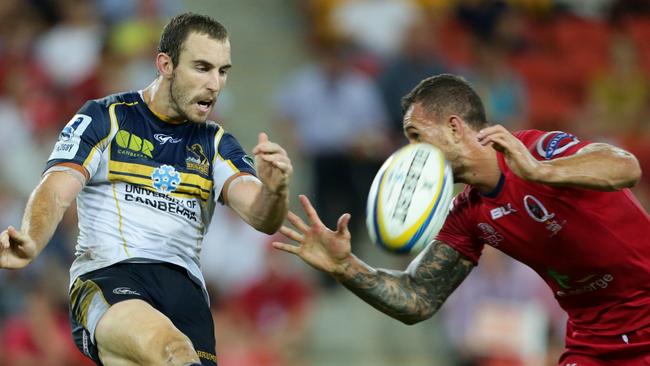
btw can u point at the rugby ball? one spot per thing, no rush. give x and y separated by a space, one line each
409 198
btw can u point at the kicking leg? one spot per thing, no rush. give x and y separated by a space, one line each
133 333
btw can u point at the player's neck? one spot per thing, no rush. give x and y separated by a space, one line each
157 98
482 170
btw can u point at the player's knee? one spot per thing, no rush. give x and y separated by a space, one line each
171 348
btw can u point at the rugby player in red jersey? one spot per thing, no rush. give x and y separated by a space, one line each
556 203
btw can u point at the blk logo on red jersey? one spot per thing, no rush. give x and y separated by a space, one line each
499 212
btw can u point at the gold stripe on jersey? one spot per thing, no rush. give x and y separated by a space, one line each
234 168
217 141
119 215
114 127
192 185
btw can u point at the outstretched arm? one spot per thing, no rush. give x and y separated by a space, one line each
409 296
415 294
44 211
596 166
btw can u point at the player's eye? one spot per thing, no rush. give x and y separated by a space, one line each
223 71
201 68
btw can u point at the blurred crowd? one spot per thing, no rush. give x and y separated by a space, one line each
578 66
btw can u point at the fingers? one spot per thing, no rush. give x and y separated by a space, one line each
284 167
498 138
282 164
312 215
264 146
16 234
272 158
297 222
498 142
494 134
342 225
4 240
291 234
490 130
262 138
286 247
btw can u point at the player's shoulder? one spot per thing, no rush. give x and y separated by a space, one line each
129 97
546 145
212 127
470 197
98 109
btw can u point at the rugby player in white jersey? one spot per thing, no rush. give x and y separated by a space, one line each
147 168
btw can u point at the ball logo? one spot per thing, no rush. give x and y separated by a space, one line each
410 184
165 179
536 209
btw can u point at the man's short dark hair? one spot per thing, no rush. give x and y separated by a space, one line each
446 94
179 27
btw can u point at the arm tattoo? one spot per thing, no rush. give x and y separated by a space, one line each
417 293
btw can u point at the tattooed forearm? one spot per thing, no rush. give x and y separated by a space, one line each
417 293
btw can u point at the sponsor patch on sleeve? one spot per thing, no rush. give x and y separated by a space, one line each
69 140
555 143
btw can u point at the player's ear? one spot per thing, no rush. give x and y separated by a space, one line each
164 65
457 127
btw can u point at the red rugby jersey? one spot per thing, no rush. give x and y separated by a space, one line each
591 247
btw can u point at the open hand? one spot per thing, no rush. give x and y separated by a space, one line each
320 247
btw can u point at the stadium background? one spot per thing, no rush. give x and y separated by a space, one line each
578 66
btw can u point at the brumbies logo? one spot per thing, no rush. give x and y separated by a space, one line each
198 161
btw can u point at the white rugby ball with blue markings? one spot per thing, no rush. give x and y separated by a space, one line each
409 198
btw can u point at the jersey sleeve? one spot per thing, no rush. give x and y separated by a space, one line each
554 144
459 231
83 139
230 159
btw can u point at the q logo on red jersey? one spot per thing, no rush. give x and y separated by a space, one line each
538 212
536 209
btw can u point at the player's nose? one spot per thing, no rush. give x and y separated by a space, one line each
214 83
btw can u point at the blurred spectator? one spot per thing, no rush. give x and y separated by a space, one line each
40 335
418 59
500 87
232 254
618 98
79 30
19 164
501 315
118 11
338 121
481 16
267 319
618 107
378 26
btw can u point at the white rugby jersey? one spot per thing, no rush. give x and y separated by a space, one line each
152 186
